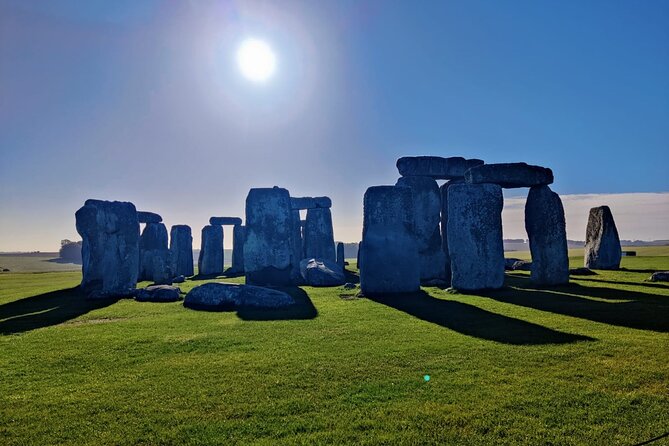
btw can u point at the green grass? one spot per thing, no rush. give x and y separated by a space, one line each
582 364
35 262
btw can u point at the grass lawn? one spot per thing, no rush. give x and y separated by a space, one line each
584 364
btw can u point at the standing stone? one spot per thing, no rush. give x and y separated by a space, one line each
475 236
238 237
444 227
427 207
210 261
268 249
602 245
161 267
181 246
297 244
388 251
153 242
319 235
110 247
546 229
340 255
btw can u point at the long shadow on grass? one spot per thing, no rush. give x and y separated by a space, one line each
636 310
46 309
303 309
658 286
474 321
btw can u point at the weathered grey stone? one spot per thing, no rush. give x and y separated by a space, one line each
179 279
340 255
297 244
230 296
148 217
210 261
660 276
510 175
317 272
546 228
268 249
319 235
300 203
110 247
158 293
349 286
427 210
602 244
225 221
475 236
435 166
181 246
151 243
509 262
162 272
521 265
443 190
238 237
388 251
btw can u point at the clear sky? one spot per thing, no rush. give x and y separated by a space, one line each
143 101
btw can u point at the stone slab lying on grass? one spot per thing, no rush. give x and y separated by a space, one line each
158 293
660 276
582 272
317 272
217 296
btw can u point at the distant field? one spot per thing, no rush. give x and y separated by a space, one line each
646 251
583 364
38 262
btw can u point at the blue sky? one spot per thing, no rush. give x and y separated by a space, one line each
142 101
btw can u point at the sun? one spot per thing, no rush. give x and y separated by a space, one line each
256 60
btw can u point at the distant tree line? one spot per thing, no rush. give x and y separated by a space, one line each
70 251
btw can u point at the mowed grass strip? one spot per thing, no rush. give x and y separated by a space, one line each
582 364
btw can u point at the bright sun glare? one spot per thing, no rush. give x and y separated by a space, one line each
256 60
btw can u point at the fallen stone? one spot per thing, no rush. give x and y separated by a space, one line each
110 247
522 265
269 257
582 272
216 296
475 236
181 247
435 167
148 217
179 279
225 221
210 261
602 244
509 262
427 209
660 276
319 235
547 231
318 272
158 293
388 259
509 175
349 286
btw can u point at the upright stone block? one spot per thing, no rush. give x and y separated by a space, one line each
602 244
388 251
297 244
269 256
475 236
110 247
181 247
546 229
238 237
340 255
319 235
427 207
210 261
153 242
443 190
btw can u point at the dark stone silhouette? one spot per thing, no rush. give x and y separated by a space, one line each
110 247
158 293
510 175
152 243
225 221
435 166
317 272
148 217
300 203
602 244
319 235
238 237
231 296
475 236
547 232
340 255
210 261
388 251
